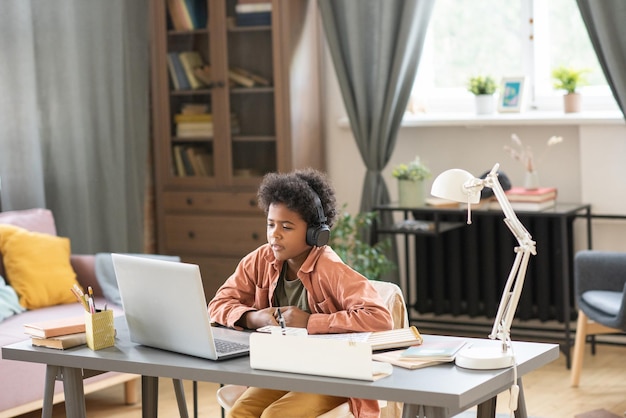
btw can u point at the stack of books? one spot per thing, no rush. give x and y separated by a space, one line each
193 125
188 70
530 199
192 161
253 13
58 333
245 78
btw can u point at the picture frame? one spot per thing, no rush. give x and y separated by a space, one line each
512 94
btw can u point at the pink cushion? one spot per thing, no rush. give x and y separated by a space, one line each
35 220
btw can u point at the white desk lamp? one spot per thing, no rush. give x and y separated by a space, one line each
461 186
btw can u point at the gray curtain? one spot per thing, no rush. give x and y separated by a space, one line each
606 24
74 116
375 46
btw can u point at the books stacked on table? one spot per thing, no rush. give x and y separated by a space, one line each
253 13
58 333
530 199
429 353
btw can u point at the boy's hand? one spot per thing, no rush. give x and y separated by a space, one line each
294 317
260 318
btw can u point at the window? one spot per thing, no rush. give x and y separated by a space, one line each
505 39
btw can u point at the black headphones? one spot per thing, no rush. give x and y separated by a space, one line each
318 234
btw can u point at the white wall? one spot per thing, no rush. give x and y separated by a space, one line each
589 166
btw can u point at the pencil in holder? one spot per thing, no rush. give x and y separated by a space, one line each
99 329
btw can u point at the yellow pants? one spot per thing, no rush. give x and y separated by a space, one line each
269 403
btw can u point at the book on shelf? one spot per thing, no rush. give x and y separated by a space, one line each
265 6
525 206
256 78
240 78
55 327
179 15
194 130
196 163
206 160
61 342
203 73
439 350
193 117
395 357
191 60
521 194
192 161
177 72
253 19
197 10
194 108
179 165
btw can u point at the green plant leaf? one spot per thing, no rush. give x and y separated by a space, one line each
345 238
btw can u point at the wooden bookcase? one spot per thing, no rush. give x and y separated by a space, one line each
211 217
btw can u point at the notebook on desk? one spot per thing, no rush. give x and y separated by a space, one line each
165 308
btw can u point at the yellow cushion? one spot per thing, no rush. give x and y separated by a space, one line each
37 266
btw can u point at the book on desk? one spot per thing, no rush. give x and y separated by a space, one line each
55 327
61 342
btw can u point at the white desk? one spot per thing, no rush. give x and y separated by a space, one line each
436 392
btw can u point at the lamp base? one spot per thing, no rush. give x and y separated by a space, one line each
484 358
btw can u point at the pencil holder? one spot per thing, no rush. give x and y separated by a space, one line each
100 329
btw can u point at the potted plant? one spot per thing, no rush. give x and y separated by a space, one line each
369 260
569 79
483 88
411 178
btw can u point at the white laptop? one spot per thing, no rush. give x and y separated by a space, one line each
165 308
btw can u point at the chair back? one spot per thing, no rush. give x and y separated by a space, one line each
394 301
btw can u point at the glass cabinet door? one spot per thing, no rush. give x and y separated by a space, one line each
191 133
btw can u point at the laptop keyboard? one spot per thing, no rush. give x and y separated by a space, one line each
225 347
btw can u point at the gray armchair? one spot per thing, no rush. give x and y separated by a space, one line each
600 291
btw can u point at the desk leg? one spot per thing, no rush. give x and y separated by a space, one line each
487 409
74 392
420 411
566 289
180 398
149 396
48 391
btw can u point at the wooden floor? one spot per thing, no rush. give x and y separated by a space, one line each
548 393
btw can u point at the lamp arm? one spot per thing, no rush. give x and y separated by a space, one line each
515 281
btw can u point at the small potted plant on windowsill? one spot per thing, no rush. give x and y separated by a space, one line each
411 178
484 89
569 79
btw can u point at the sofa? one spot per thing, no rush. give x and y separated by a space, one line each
22 383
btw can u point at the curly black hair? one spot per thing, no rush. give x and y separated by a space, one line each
295 190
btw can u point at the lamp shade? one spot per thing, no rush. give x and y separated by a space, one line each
456 184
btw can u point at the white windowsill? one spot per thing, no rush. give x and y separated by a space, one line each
447 119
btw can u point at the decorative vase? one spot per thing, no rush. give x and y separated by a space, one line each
531 181
485 104
411 193
572 102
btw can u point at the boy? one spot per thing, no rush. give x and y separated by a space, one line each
297 272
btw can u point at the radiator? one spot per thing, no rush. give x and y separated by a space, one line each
463 271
